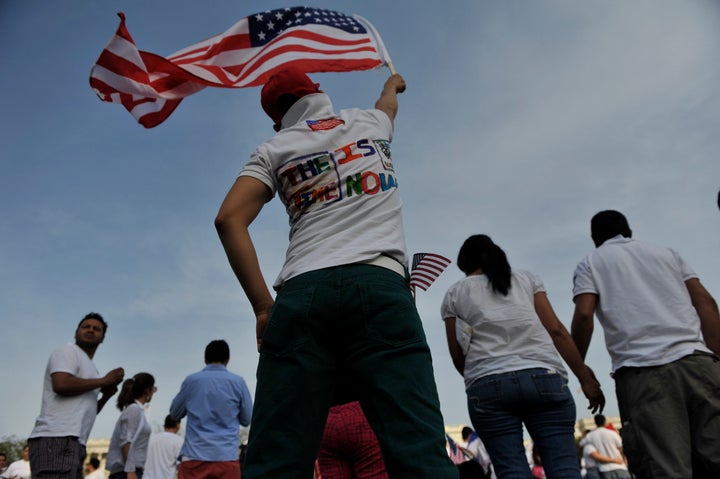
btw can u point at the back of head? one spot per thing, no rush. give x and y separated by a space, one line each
608 224
94 462
170 422
134 388
478 252
466 433
599 420
217 351
282 90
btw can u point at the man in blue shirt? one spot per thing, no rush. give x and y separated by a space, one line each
216 402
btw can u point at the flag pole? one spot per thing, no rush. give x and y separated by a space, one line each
392 68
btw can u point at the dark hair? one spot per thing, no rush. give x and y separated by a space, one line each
466 432
134 388
217 351
170 422
608 224
94 462
97 317
479 252
599 420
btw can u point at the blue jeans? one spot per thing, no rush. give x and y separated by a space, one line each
500 404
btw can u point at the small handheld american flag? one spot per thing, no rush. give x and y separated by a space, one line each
426 267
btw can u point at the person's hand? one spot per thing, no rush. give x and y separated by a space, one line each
262 317
591 389
113 378
395 83
108 391
619 460
132 475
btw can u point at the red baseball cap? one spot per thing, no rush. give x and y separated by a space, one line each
288 81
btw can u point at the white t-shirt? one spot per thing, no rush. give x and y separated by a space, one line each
162 456
507 334
96 474
131 427
643 304
608 443
18 470
335 176
67 415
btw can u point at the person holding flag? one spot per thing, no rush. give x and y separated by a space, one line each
343 304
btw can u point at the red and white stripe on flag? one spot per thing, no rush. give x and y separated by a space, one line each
150 86
426 267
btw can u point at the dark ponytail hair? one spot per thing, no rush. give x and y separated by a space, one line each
134 388
479 252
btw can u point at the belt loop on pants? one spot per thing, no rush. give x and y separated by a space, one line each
388 263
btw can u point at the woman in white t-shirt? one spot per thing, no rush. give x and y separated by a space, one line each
131 437
504 338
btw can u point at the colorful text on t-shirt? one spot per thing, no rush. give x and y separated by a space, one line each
312 181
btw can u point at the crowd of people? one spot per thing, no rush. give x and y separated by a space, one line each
342 339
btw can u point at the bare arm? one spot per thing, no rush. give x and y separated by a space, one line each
388 101
605 459
240 207
66 384
582 322
566 347
707 309
455 350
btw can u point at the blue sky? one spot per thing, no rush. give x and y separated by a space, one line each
521 120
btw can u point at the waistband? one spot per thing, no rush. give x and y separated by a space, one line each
387 263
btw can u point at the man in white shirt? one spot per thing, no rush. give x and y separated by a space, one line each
93 468
70 403
608 444
163 452
662 330
19 469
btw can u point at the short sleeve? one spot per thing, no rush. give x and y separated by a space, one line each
685 270
447 308
63 360
583 281
259 167
537 284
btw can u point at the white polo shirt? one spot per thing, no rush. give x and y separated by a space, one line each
643 304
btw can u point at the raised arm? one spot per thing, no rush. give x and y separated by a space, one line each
240 207
566 347
707 309
388 101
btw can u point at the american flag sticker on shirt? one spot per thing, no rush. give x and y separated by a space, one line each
327 124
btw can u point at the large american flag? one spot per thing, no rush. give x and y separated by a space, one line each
426 267
150 86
